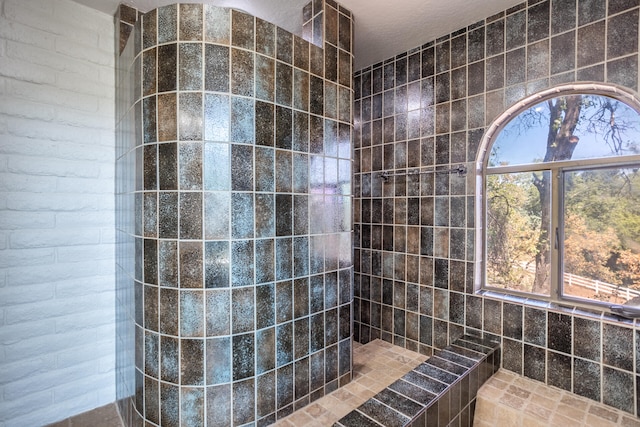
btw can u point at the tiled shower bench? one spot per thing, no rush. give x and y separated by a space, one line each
437 393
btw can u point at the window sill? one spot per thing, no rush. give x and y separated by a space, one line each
565 308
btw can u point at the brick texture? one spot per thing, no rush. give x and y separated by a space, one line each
57 317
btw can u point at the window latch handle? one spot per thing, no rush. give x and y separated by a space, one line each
557 238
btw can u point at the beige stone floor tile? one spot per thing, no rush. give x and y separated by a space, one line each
104 416
603 413
539 412
562 421
315 410
575 402
543 401
592 420
629 421
571 412
300 418
491 392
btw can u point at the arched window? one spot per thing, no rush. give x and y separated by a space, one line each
559 182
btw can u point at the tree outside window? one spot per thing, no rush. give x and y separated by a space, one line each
562 199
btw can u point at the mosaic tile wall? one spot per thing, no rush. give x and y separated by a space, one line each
239 174
415 235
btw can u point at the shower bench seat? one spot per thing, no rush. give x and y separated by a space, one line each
439 392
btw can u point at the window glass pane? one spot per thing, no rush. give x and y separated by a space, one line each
565 128
518 231
602 234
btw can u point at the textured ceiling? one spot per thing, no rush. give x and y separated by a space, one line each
383 28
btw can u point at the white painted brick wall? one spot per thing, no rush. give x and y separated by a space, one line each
57 315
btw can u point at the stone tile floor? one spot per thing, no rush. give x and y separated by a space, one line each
375 366
105 416
507 399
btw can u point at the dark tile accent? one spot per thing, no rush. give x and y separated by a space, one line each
622 71
149 25
356 419
538 60
242 30
242 72
284 386
617 346
265 37
167 117
495 37
563 15
216 59
512 355
191 265
590 11
265 350
382 414
264 132
398 402
535 326
586 339
190 216
266 397
563 53
538 21
284 46
265 306
168 311
243 349
190 165
617 389
168 68
244 398
265 78
241 167
169 405
535 363
559 370
149 125
512 323
559 332
591 44
191 16
586 379
219 404
192 362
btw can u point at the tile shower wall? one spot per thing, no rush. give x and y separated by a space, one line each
235 228
415 235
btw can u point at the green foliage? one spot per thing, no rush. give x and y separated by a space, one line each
513 224
602 225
